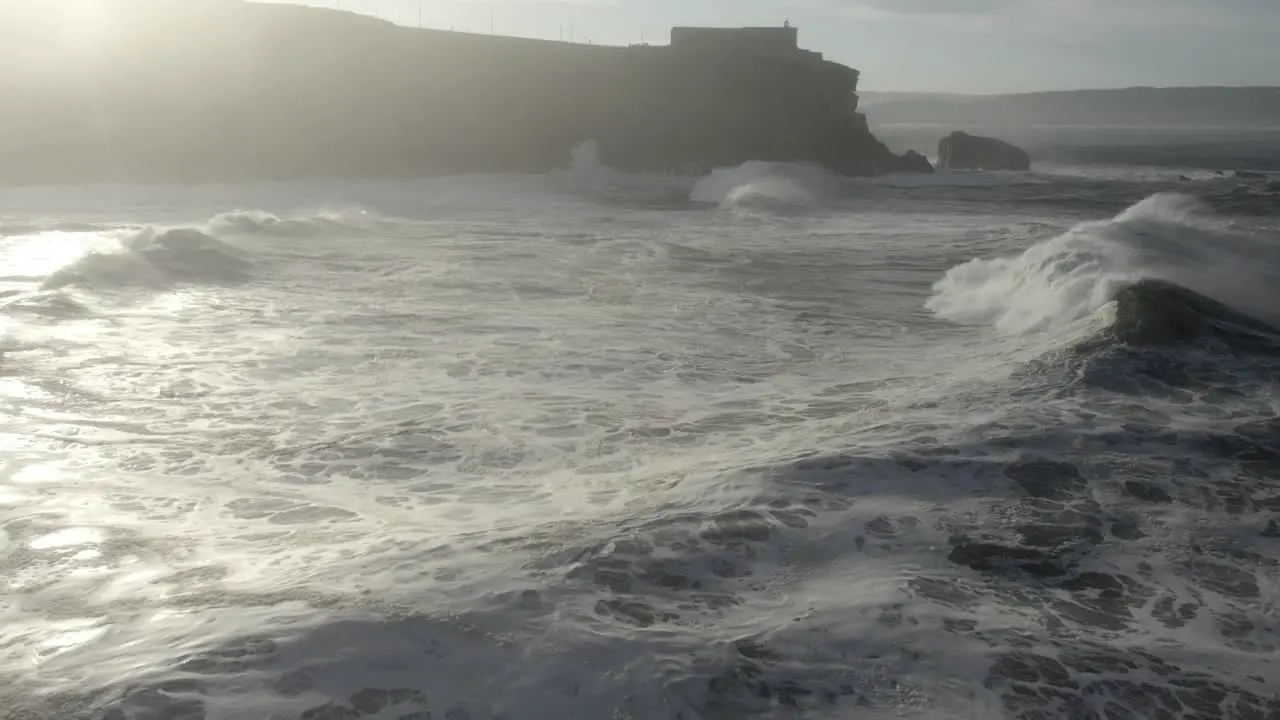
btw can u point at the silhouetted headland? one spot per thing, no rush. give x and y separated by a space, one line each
199 90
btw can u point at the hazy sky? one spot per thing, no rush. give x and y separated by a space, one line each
929 45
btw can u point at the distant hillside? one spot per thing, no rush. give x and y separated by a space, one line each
1249 107
871 98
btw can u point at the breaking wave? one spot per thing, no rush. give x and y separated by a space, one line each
153 257
758 185
50 305
766 185
588 174
258 222
1166 252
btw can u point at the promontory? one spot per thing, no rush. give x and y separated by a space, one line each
227 90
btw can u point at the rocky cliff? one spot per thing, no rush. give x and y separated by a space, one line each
229 90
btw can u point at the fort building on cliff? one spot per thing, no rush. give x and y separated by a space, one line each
702 44
757 41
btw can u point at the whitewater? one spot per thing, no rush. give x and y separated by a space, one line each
762 444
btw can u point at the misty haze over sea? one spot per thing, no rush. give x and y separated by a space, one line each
755 441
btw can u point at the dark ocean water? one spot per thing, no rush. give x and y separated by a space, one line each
764 444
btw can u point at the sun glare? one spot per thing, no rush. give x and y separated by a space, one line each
84 25
44 253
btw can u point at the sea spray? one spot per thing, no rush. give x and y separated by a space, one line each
155 257
1167 236
766 184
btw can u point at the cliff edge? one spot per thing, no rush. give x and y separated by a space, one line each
160 91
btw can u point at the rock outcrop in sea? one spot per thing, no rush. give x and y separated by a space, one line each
229 90
962 151
913 162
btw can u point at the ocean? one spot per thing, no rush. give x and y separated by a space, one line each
762 444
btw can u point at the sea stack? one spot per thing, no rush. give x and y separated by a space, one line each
205 90
962 151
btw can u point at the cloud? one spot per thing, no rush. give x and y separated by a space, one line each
1063 23
1131 13
1147 17
934 7
961 15
916 9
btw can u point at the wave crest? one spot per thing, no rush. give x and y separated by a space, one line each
1166 237
155 258
258 222
767 185
1158 312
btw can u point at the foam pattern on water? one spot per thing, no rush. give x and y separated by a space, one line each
578 458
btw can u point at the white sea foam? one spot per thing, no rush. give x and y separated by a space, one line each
154 257
1127 173
1166 236
766 185
537 453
